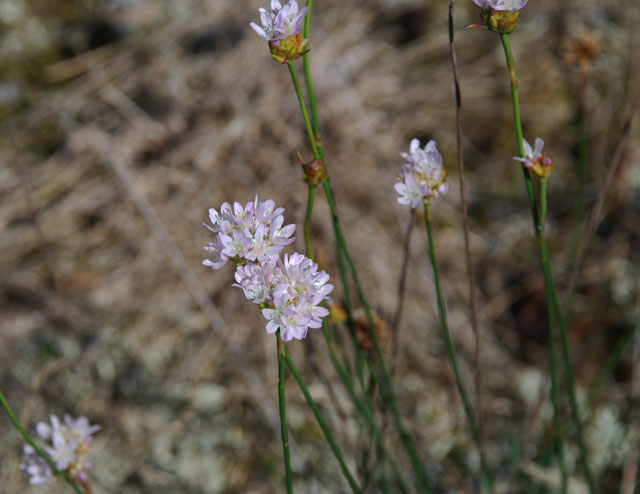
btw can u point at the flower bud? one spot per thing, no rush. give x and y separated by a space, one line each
313 173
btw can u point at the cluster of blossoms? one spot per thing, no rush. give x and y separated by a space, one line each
69 448
289 291
540 164
423 176
253 233
500 16
282 28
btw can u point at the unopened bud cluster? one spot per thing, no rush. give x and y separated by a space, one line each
289 291
68 447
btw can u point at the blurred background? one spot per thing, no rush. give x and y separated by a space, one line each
123 121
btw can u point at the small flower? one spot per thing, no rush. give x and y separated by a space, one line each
35 467
500 16
423 175
282 28
539 163
254 233
68 447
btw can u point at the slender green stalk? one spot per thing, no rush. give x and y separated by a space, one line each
39 451
550 288
557 432
303 108
506 43
315 142
384 384
283 413
323 425
363 410
566 357
306 63
468 410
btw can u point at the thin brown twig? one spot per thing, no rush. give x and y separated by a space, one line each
467 242
592 219
402 287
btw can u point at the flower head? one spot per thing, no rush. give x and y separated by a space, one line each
68 447
251 233
296 291
500 16
540 164
423 175
281 22
289 292
282 28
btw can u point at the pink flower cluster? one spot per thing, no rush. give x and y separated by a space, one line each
289 291
281 22
423 176
252 233
68 448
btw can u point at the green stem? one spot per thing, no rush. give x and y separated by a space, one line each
315 141
385 385
306 63
518 127
557 432
39 451
550 288
283 413
323 424
303 108
468 410
566 357
363 410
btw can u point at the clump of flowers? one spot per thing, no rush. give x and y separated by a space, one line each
282 28
288 291
423 176
535 160
251 233
500 16
68 447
